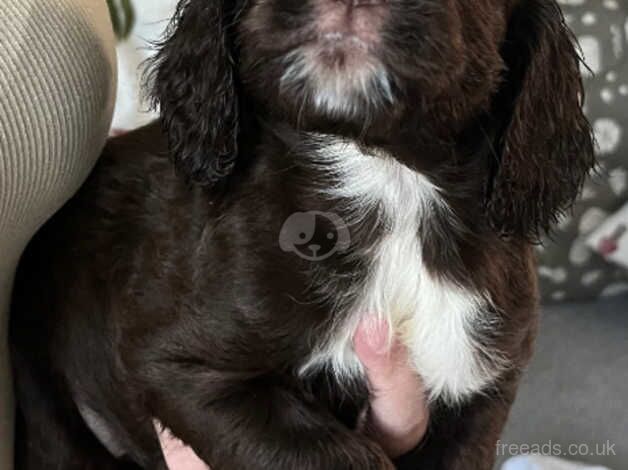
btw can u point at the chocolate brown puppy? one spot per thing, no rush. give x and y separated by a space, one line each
335 160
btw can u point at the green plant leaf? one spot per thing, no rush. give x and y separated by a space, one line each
122 17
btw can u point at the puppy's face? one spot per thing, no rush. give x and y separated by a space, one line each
356 60
492 81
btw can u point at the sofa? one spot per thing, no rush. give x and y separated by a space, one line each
57 86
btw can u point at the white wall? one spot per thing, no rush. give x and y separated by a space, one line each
152 18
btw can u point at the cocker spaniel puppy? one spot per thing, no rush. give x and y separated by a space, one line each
337 159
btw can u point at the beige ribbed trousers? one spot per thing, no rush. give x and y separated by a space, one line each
57 86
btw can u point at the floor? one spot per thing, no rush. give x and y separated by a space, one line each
574 398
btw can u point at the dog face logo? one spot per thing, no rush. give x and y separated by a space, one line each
314 235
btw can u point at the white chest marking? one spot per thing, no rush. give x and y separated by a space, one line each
439 322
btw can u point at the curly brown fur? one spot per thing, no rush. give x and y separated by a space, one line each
546 151
149 297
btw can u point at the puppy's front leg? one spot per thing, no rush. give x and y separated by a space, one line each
234 421
465 437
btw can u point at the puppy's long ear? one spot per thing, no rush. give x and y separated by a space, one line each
546 148
192 80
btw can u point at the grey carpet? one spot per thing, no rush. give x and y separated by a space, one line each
576 389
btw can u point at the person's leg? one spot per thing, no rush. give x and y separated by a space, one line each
57 82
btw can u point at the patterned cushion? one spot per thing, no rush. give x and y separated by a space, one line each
569 269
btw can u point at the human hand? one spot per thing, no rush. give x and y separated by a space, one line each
399 415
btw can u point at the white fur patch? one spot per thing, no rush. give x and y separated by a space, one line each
437 320
335 91
101 430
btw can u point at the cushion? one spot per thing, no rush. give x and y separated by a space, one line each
569 269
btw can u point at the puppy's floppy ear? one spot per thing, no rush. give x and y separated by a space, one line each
192 81
546 147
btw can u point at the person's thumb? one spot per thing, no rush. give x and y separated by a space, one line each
399 413
380 353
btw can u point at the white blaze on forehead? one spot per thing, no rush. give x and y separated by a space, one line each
440 322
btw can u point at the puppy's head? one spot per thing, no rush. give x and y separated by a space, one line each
385 65
356 60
